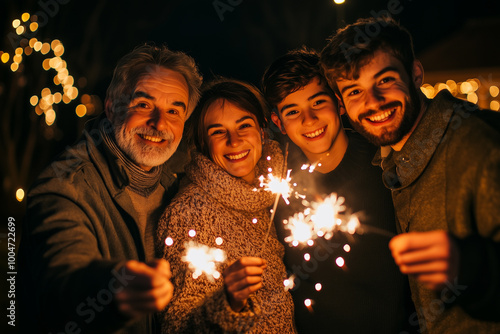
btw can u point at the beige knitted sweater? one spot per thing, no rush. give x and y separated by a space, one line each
216 204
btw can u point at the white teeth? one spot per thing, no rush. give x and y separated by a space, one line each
153 139
383 117
315 133
236 156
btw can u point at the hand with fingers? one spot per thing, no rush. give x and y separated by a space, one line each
148 290
241 279
431 257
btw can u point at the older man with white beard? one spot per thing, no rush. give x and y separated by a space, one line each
86 258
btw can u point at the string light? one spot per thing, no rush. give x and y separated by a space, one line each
63 78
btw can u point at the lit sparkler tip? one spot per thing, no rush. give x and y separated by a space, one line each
289 283
169 241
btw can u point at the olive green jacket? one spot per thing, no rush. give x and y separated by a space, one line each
447 176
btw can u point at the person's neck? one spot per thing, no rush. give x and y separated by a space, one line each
327 161
423 107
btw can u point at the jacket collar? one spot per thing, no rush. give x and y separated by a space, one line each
402 168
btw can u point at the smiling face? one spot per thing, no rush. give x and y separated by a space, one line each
153 126
234 139
310 118
383 103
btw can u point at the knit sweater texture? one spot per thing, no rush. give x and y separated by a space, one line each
218 205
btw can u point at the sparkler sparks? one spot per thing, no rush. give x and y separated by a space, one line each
277 185
202 259
321 219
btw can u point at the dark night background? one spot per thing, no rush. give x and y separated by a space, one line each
240 44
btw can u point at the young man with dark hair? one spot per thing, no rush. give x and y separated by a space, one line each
441 160
87 262
367 294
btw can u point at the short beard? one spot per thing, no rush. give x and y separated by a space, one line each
410 116
142 154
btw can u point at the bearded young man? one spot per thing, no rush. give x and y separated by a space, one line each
441 160
87 261
306 111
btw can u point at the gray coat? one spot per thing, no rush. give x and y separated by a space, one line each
80 227
447 176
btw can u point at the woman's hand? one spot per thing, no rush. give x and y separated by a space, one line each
241 279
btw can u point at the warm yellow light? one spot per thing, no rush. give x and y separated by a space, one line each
25 17
73 93
56 80
5 57
81 110
16 23
37 46
43 104
34 100
55 43
14 67
494 91
466 88
45 48
38 110
45 92
442 86
28 50
428 90
46 64
338 2
50 99
472 97
20 194
58 50
20 30
50 117
475 83
495 105
32 42
33 26
62 74
56 62
19 51
17 59
66 99
57 97
68 81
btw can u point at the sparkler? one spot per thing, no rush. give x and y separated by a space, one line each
324 219
279 187
202 259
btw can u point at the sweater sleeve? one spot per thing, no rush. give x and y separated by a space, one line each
65 281
198 305
479 274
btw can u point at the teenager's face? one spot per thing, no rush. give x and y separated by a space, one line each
153 125
382 103
234 139
310 118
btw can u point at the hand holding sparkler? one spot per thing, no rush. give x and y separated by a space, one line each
431 257
148 291
241 279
